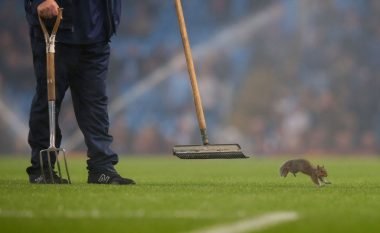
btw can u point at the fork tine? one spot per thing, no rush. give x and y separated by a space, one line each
42 166
58 165
50 166
66 167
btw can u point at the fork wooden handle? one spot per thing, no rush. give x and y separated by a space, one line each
50 54
50 68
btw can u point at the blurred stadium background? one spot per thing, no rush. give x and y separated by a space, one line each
276 76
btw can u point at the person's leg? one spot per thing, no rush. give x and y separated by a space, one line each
88 91
88 88
38 137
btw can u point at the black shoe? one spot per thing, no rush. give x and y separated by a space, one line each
40 179
108 178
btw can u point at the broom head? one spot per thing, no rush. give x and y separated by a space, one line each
209 151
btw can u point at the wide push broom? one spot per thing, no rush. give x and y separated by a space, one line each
50 69
207 150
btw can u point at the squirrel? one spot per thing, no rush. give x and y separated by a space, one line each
318 175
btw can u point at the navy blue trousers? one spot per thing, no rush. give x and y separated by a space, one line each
83 69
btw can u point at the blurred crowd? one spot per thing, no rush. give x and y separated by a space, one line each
306 83
316 81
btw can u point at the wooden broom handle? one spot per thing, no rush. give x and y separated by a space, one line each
191 70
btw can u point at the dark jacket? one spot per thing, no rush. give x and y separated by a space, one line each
84 21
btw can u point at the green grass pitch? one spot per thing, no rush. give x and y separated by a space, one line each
174 195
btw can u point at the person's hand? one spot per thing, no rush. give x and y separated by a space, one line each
48 9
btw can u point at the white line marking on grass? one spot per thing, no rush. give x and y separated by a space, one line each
252 224
18 213
102 214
